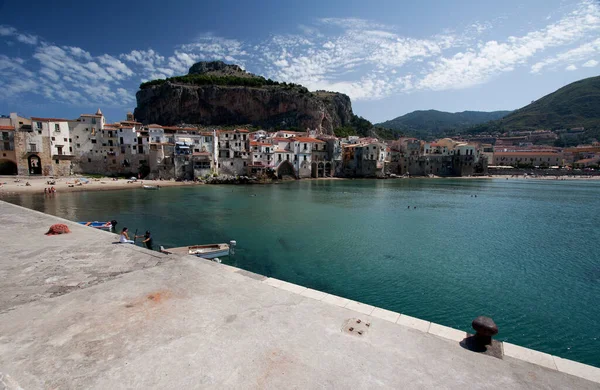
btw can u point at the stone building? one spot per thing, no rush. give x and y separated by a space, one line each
233 157
8 156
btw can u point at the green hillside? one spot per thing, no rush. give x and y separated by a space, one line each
432 123
574 105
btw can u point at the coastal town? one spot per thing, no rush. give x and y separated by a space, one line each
89 145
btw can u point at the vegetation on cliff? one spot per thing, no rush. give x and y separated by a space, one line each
204 79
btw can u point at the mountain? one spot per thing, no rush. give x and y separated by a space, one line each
215 93
574 105
430 123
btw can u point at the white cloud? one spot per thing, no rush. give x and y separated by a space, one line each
476 66
8 31
363 58
581 53
571 68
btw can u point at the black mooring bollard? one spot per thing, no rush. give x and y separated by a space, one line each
485 329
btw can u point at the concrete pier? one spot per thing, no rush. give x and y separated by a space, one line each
79 311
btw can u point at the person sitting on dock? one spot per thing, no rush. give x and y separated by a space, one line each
147 239
124 239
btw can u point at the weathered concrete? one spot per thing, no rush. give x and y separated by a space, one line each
80 312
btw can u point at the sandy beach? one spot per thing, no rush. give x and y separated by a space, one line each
18 185
10 185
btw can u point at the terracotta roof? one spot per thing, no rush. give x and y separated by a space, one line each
256 143
583 150
307 139
6 128
283 151
206 133
49 119
588 160
281 139
131 122
527 153
111 125
154 126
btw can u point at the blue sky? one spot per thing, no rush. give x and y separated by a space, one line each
62 58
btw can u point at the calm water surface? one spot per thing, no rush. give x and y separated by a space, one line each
523 252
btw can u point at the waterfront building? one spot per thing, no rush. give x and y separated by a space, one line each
52 146
302 147
55 143
528 159
233 155
364 160
8 156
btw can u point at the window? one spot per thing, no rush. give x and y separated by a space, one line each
89 160
64 139
69 140
32 147
232 163
304 146
295 157
93 141
206 139
78 145
38 125
56 161
59 149
57 128
93 121
53 139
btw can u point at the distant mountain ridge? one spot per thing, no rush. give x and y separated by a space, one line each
430 123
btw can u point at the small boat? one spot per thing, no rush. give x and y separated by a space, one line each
98 225
209 251
148 187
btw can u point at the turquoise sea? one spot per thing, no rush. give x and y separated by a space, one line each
524 252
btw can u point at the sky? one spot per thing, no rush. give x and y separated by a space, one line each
62 58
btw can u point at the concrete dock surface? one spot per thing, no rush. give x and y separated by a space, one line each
79 311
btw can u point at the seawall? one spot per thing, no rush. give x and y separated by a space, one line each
80 311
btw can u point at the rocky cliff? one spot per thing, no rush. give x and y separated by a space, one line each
214 93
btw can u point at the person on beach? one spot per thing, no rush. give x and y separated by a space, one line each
147 239
124 239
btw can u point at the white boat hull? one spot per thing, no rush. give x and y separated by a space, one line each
211 251
212 255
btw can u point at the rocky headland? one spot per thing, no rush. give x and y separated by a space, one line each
215 93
